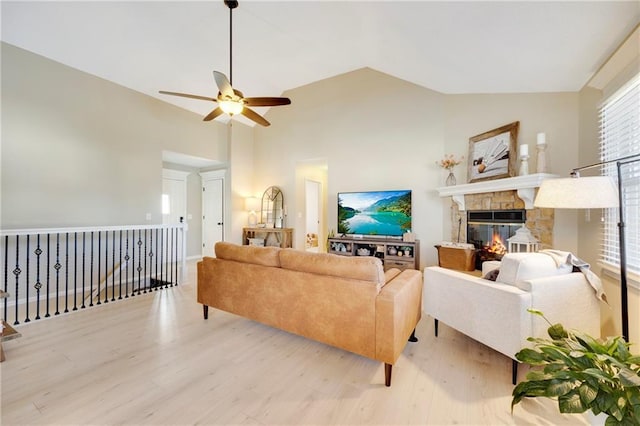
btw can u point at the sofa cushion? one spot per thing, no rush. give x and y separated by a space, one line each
265 256
517 268
390 274
366 268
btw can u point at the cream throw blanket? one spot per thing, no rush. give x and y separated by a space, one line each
567 258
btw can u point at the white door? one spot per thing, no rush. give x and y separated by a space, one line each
312 208
212 214
174 196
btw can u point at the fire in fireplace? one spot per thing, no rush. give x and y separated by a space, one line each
488 231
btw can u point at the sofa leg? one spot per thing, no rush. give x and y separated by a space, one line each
387 374
205 311
514 371
413 337
435 323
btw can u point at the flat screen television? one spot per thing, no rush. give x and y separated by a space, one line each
384 213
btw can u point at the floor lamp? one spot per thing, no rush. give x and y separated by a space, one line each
589 193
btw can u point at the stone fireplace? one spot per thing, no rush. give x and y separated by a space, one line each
509 194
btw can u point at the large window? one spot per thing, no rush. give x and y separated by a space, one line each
619 138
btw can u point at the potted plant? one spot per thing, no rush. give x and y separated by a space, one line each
583 373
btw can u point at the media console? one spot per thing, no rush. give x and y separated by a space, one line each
394 253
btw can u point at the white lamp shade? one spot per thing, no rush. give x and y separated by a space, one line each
592 192
252 204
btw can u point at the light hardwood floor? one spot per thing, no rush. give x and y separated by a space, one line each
152 359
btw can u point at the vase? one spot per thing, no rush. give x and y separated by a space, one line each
451 179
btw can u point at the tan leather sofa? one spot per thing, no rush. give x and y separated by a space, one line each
346 302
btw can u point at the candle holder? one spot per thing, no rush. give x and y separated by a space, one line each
541 164
524 165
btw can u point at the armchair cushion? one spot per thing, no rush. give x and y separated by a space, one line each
518 268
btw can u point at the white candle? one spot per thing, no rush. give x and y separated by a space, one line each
542 138
524 150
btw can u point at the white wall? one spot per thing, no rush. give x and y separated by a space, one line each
80 151
376 132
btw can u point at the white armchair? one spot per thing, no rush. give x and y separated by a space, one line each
495 313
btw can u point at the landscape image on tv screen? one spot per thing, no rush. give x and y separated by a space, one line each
385 213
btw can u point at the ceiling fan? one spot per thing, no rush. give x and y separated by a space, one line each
230 100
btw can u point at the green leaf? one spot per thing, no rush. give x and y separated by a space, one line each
599 374
587 393
557 332
560 387
530 356
629 377
536 375
535 312
571 403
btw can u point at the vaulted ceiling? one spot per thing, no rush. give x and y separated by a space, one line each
450 46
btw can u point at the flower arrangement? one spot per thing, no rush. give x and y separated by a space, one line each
449 162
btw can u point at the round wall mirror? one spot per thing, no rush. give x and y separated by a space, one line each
272 214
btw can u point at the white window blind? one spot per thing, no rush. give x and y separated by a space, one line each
619 138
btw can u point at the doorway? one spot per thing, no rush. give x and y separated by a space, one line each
212 210
174 196
313 211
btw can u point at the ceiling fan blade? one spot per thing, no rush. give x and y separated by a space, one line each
223 84
186 95
268 101
213 114
252 115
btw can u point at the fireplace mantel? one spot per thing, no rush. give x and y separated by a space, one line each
525 186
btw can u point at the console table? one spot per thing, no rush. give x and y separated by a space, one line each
277 237
394 253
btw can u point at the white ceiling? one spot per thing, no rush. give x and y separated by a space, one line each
450 46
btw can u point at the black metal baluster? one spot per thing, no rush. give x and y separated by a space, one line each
6 275
99 266
75 271
66 273
84 267
158 257
120 267
113 267
162 257
27 282
57 267
178 251
126 271
91 272
145 264
47 314
17 272
170 278
133 263
38 284
167 259
139 259
106 266
151 279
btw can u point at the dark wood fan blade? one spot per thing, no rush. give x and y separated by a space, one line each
186 95
213 114
252 115
223 84
267 101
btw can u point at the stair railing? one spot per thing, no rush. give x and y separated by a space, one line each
59 270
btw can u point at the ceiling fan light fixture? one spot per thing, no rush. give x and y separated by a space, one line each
231 107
